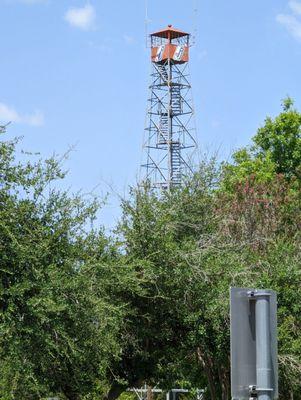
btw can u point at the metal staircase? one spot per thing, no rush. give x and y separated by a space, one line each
163 73
176 100
176 162
163 132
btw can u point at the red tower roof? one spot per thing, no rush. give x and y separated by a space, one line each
170 32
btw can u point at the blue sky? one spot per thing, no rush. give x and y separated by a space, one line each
75 73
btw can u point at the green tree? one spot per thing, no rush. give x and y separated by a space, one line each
195 242
280 138
276 149
59 323
84 316
158 232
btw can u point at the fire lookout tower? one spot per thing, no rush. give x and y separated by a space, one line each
170 141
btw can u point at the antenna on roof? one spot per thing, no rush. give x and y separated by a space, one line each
195 21
146 23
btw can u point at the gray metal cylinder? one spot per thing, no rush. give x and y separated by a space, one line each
263 347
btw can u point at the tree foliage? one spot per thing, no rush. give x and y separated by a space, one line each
85 315
235 227
59 323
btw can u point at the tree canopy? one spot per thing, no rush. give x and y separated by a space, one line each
85 315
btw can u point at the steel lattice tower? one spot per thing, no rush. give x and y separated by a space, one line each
170 141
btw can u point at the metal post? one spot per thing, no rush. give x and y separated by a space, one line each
263 346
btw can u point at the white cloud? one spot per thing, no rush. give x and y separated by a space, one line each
295 6
82 17
8 114
291 23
